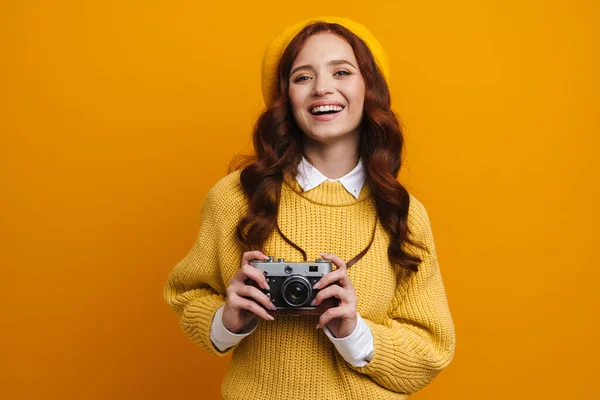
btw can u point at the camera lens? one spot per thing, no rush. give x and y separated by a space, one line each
296 291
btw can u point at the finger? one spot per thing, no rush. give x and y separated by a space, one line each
252 255
254 293
339 263
336 312
341 269
339 275
248 271
326 304
241 303
333 291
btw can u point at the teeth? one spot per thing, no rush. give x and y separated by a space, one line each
326 108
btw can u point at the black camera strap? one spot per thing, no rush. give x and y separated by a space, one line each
349 263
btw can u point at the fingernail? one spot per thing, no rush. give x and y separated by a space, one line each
317 327
317 285
272 306
313 302
266 286
323 254
270 317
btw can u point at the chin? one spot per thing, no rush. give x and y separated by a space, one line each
328 135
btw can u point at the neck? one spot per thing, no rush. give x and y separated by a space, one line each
335 159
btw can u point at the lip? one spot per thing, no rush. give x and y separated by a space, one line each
325 103
327 117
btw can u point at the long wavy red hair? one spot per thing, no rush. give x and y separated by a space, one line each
278 150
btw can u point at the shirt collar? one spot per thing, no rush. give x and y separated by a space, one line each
310 177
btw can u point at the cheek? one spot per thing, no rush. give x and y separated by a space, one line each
355 94
295 100
358 101
360 94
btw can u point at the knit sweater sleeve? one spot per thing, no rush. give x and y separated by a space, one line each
416 340
195 289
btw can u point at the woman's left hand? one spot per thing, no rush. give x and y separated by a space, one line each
341 319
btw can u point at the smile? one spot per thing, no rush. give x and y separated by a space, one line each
326 109
327 115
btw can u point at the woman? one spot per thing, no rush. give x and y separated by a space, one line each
322 185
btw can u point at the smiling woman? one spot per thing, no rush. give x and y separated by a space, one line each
324 178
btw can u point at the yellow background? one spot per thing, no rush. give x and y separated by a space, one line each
117 117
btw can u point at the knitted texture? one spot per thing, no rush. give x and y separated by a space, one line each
287 358
277 46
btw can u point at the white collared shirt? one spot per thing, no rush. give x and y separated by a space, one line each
358 347
309 177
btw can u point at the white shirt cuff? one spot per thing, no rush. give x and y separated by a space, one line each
221 337
356 348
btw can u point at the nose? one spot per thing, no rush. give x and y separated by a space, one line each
321 92
322 87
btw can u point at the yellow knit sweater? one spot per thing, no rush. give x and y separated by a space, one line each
288 358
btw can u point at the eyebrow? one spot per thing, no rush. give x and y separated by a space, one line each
332 62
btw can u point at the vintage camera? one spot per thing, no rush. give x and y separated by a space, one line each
291 283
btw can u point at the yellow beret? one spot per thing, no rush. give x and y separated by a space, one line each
277 46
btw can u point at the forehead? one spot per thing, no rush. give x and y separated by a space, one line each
322 47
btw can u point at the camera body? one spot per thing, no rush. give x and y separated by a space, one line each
291 283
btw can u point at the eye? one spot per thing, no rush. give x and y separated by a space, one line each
344 72
300 78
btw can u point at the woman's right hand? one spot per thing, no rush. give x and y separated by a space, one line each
239 309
